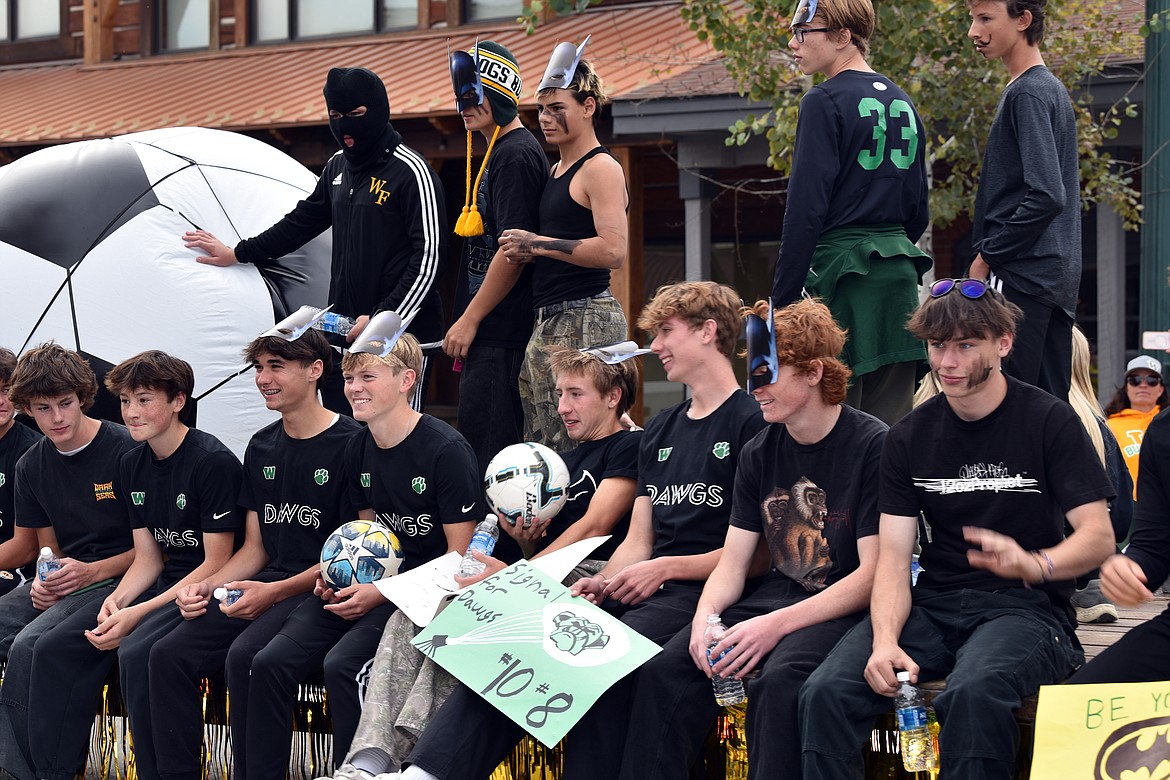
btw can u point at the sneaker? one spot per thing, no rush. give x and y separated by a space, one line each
1092 606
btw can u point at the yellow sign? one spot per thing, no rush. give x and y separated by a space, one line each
1115 731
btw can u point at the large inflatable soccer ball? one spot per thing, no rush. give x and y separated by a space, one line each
526 483
360 551
91 256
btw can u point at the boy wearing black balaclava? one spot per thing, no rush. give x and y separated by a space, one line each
385 206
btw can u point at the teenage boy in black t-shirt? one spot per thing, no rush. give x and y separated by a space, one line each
687 460
18 545
808 485
66 490
995 467
406 688
415 475
294 493
493 298
182 486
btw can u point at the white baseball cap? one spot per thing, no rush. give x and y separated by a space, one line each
1146 362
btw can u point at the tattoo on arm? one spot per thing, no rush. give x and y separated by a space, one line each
565 245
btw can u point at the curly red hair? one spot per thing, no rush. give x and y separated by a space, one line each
807 335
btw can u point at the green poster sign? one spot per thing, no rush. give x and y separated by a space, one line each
531 650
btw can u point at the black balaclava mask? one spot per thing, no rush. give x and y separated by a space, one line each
345 90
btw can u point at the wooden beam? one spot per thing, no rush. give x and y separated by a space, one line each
214 21
98 30
627 282
243 33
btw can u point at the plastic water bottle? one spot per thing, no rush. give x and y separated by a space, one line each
332 322
914 735
728 690
487 533
226 597
47 563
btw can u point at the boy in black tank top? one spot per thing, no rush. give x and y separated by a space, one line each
583 237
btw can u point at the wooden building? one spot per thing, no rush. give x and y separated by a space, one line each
80 69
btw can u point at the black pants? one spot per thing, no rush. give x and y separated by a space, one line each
311 638
469 737
1042 352
1142 655
674 706
886 392
180 660
73 673
67 678
490 382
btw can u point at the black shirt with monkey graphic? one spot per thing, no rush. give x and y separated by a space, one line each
812 502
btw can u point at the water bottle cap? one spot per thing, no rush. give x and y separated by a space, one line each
220 594
903 676
46 551
713 618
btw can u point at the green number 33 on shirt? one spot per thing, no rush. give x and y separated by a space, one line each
901 158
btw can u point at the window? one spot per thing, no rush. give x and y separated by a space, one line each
287 20
478 10
186 24
22 20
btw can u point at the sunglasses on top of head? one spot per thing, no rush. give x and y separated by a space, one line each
968 288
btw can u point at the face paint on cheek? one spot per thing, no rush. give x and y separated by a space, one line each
559 118
979 376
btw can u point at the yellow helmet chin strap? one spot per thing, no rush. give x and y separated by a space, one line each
470 222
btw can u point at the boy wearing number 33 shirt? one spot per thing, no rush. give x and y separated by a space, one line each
857 202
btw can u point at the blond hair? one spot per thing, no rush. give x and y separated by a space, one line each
405 353
855 16
1080 392
604 377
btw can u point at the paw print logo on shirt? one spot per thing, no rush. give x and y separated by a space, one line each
418 484
321 476
181 501
721 450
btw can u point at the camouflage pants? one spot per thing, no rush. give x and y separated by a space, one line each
584 323
405 690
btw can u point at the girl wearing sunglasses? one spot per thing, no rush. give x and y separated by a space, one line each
1139 399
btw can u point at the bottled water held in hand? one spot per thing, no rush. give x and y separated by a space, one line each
227 597
914 735
728 690
47 563
487 533
332 322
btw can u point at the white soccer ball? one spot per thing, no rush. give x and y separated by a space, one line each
360 551
526 483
